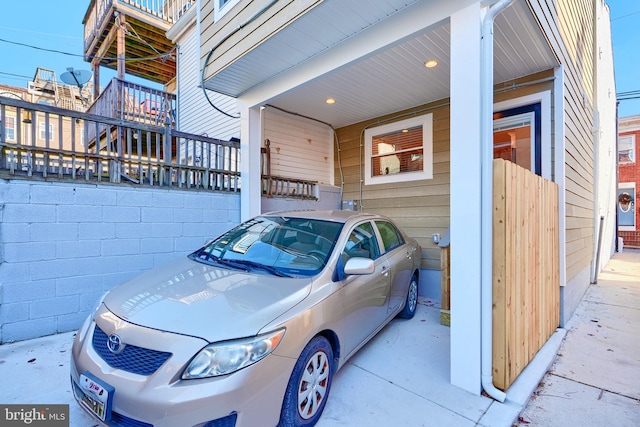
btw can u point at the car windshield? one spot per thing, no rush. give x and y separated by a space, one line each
277 245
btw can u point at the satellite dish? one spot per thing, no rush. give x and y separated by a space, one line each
75 77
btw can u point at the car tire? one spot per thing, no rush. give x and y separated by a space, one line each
309 385
411 303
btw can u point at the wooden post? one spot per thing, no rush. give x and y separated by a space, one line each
120 22
445 286
95 65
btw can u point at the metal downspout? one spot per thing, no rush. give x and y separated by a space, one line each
486 146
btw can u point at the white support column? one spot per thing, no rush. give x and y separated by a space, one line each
250 169
465 198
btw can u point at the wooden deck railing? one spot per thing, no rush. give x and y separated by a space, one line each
124 100
94 20
168 11
49 142
278 186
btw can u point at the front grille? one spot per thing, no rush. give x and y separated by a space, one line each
137 360
124 421
228 421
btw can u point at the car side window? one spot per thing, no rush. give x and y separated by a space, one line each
391 237
362 243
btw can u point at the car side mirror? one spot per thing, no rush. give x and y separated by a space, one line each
359 266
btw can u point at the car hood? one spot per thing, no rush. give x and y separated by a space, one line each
190 298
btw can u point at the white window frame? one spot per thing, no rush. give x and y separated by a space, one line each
629 187
43 135
221 10
544 98
426 122
632 150
10 131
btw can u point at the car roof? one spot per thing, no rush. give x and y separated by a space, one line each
342 216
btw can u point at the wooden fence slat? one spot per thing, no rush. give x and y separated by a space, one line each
500 268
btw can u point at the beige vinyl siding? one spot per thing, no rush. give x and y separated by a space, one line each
195 114
568 25
300 148
420 208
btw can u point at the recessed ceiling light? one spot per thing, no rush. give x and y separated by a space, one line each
330 101
431 63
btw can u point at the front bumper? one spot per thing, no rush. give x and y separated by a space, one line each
254 394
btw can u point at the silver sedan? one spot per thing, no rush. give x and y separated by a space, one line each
248 330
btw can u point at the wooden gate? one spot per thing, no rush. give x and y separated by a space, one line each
526 268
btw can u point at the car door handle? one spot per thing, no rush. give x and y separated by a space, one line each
410 254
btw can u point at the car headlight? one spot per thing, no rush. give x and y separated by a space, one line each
226 357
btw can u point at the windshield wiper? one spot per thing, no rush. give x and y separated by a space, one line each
202 256
238 264
256 265
209 259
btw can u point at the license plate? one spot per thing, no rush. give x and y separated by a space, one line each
97 396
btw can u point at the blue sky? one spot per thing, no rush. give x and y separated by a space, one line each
46 24
49 25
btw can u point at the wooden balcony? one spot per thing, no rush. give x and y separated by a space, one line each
130 102
123 100
135 31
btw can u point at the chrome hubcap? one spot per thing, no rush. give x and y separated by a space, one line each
313 385
412 298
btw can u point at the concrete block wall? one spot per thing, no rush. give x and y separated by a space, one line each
62 245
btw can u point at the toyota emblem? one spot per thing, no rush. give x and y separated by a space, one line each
114 344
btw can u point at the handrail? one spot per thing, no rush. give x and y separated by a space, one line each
279 186
93 20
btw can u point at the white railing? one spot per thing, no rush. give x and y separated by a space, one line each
38 141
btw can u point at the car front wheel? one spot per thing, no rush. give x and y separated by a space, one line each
411 303
309 385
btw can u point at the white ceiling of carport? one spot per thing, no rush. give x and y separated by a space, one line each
392 79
